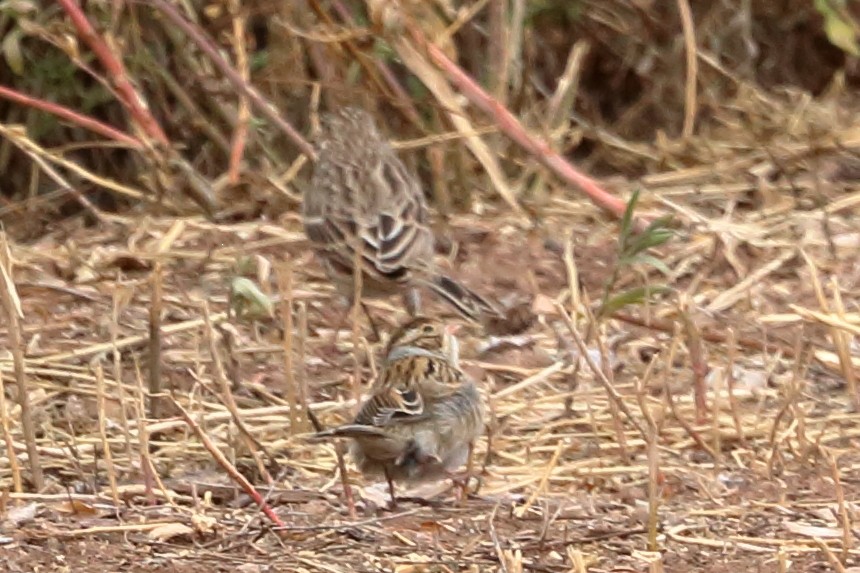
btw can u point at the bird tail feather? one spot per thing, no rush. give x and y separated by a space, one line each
466 301
349 431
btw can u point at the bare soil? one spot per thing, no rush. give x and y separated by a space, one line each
764 482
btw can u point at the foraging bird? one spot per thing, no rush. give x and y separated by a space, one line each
423 414
364 205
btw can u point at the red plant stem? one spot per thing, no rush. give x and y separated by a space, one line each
233 76
514 129
70 115
228 467
698 366
243 114
131 99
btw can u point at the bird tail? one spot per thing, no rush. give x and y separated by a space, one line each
349 431
466 301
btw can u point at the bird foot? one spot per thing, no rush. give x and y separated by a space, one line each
461 482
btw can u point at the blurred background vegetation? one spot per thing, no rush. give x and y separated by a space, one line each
765 72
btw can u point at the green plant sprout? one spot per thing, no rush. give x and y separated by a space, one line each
633 250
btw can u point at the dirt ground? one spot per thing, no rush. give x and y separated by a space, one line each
768 480
713 428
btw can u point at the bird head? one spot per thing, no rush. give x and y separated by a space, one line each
428 334
349 125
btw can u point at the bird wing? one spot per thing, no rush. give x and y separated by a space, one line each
395 400
407 388
378 208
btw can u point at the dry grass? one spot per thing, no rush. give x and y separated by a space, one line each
713 429
769 475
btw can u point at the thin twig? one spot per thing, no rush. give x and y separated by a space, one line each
71 116
341 467
506 121
301 369
243 116
284 273
692 67
207 46
14 468
597 371
155 408
14 314
226 396
697 358
730 385
147 466
231 470
132 100
106 451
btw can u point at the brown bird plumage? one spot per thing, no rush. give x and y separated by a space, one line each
423 413
362 196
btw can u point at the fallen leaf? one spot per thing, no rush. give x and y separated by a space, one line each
170 531
813 530
17 516
204 524
77 507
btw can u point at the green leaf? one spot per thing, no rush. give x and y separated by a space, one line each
652 261
841 30
16 8
247 299
627 220
384 51
636 295
629 209
259 61
565 12
646 241
353 73
660 223
11 49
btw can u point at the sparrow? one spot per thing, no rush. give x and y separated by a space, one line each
423 413
363 205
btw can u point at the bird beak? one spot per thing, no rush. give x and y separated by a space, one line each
452 328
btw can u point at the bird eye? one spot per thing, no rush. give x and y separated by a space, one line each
409 396
428 329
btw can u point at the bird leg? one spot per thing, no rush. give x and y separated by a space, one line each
375 330
470 461
345 316
462 480
387 473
